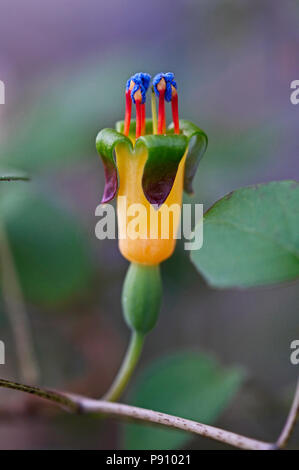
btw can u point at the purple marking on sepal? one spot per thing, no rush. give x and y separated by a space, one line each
111 181
164 156
106 141
156 192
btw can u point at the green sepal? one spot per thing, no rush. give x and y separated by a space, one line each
164 155
106 141
141 297
197 145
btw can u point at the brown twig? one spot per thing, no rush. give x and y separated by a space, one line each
14 177
290 422
79 404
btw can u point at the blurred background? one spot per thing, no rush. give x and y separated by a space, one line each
64 64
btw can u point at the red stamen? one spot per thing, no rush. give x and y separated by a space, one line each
175 111
142 118
128 112
161 113
138 117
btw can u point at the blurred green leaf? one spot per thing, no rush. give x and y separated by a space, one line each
63 114
251 237
49 247
186 384
239 150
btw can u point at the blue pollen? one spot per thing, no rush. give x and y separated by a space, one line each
146 78
169 80
141 82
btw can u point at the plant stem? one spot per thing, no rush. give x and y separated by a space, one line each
127 367
16 310
13 178
79 404
290 422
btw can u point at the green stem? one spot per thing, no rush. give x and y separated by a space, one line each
127 367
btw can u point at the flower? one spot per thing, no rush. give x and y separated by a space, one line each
147 166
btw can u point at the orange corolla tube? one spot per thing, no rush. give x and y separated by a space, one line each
147 235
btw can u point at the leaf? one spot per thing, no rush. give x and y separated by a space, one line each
185 384
49 247
251 237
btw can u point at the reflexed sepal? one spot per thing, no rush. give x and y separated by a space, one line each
164 155
106 141
197 143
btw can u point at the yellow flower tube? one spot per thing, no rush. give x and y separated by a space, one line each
146 234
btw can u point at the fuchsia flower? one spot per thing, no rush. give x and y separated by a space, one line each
149 164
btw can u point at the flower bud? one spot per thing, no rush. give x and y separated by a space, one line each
141 297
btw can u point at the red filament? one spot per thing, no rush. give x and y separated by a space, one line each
161 113
128 112
142 118
138 118
175 112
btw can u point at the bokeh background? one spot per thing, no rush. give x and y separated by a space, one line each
64 64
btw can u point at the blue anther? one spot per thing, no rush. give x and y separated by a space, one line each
141 82
169 80
146 78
